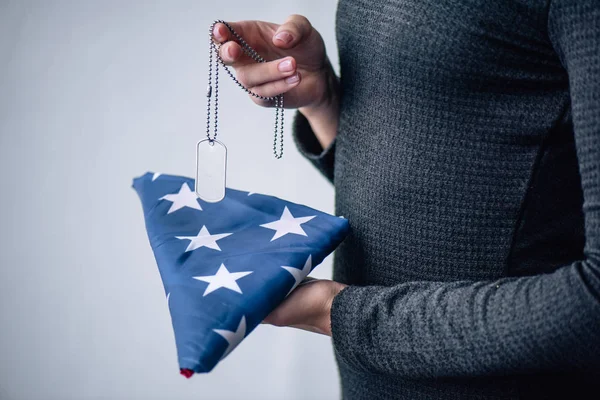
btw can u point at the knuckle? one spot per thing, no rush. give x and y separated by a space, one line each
228 52
275 318
242 76
301 21
258 101
255 99
224 56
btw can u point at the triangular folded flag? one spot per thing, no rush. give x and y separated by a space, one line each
225 266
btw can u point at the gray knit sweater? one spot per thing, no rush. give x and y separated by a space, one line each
467 160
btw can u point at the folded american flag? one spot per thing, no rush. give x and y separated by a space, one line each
225 266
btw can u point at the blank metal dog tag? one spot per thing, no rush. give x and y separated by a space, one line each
211 167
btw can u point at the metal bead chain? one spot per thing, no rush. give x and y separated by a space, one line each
215 62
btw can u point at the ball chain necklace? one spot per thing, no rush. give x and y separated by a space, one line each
211 154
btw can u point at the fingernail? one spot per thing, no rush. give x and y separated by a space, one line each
216 34
228 51
285 66
284 36
292 79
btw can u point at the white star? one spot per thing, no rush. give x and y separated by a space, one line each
185 198
233 338
204 239
155 176
299 274
288 224
222 279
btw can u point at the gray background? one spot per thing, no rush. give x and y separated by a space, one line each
93 93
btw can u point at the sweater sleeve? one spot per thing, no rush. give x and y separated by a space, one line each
512 325
310 148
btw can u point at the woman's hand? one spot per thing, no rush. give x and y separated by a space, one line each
297 66
308 307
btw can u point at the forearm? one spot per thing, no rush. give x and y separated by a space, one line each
323 116
439 329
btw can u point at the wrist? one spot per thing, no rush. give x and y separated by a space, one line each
323 115
335 290
328 103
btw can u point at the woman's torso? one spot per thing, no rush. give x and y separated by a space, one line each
455 157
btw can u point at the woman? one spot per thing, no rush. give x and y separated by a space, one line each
463 141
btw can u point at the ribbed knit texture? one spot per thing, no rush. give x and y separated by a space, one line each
467 161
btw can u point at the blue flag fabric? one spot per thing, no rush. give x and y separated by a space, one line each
225 266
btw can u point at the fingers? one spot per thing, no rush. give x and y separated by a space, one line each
222 34
278 87
230 52
265 79
293 30
252 75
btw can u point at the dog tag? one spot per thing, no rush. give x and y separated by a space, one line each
211 166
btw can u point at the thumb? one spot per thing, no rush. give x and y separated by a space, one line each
294 29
